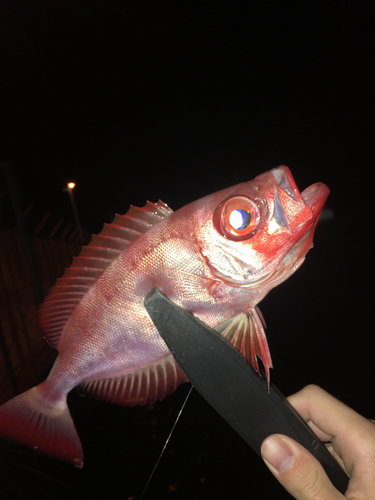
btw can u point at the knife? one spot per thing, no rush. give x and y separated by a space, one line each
231 385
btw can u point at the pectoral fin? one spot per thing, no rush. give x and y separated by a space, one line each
247 334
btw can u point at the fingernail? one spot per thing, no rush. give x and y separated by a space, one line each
277 453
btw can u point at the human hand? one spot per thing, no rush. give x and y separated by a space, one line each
350 438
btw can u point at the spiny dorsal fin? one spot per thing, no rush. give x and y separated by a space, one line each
91 263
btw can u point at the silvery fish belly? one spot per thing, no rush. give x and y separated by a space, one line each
216 257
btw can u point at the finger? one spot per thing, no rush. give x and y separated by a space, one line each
337 457
316 405
297 470
332 420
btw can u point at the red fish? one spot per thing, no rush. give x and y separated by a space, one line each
216 257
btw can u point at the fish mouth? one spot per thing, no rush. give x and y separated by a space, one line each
314 196
284 180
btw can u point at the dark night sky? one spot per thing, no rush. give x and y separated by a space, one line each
174 100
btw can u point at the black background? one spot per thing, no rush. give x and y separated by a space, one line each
174 100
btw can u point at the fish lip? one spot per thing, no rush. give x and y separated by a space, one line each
315 197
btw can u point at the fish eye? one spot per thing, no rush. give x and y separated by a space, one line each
237 218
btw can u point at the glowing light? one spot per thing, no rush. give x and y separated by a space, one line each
71 185
236 219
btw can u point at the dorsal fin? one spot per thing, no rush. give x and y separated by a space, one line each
91 263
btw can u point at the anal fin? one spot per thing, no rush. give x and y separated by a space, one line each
138 388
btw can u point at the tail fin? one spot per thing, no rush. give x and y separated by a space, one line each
51 430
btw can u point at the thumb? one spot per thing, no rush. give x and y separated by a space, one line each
297 470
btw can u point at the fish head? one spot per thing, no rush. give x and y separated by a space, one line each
257 233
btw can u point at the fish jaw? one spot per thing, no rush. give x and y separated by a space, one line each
315 197
298 207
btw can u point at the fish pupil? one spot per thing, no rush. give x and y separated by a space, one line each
240 219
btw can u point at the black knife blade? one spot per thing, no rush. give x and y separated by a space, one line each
229 383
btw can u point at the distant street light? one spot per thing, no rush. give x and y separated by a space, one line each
70 187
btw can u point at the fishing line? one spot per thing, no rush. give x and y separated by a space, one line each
166 443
